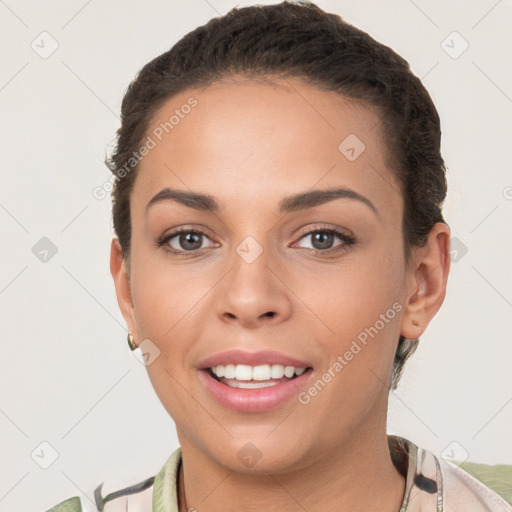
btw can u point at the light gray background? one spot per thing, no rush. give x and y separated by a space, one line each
67 376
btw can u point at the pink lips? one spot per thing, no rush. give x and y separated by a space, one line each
252 400
251 358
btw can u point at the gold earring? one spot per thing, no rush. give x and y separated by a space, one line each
131 343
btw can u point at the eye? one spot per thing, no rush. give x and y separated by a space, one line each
184 241
187 241
322 240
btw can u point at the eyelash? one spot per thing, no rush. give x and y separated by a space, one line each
344 237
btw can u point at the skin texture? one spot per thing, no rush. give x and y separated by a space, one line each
250 145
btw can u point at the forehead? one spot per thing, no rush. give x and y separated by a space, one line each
244 141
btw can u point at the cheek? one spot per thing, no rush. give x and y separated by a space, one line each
363 311
352 295
165 294
360 305
168 307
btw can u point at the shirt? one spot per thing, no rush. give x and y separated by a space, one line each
431 485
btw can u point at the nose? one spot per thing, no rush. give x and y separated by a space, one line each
253 293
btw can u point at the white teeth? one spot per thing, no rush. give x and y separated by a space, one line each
264 372
243 372
261 372
289 371
250 385
229 371
277 371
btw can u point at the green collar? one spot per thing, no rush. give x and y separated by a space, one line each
165 486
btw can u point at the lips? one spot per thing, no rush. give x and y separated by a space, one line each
252 359
253 381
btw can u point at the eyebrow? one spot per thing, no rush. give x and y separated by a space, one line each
293 203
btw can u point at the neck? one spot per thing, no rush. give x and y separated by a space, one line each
358 476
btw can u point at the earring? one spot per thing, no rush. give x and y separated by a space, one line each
131 344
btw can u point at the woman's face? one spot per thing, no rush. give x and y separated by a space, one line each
266 284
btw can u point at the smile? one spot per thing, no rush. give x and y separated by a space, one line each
253 382
245 376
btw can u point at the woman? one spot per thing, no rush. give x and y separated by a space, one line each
280 250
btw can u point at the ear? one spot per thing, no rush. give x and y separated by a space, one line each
121 277
426 282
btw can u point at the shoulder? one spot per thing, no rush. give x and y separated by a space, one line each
69 505
134 498
464 491
454 488
112 497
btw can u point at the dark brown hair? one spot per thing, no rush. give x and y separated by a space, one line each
297 39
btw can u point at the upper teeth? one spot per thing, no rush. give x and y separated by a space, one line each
261 372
